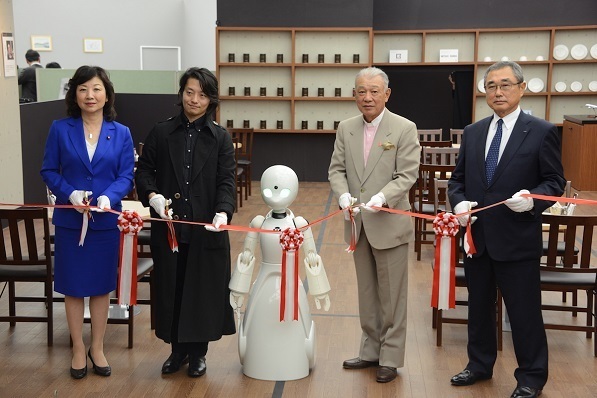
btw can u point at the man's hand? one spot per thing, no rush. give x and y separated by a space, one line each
219 220
377 200
159 203
519 204
464 207
345 201
80 198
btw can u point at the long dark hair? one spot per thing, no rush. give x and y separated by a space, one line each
209 85
82 75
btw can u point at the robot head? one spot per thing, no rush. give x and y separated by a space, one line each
279 187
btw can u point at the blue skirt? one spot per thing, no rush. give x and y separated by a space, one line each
88 270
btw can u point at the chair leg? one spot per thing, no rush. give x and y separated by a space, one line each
131 323
12 302
50 313
574 301
438 329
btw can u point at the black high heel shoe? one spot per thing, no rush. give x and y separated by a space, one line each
100 370
78 373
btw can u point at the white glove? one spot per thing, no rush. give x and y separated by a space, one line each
519 204
464 207
219 220
103 203
236 300
80 198
377 200
345 201
159 203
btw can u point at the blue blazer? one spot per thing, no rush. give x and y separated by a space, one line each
66 168
531 160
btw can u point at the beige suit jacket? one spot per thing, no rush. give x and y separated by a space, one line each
392 169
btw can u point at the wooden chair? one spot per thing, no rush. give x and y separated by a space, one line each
244 154
456 136
21 260
443 156
430 134
571 272
422 197
240 177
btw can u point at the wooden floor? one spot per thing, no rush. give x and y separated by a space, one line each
28 368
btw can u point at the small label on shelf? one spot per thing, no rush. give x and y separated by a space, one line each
448 55
398 56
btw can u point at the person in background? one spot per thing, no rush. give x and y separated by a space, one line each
187 172
376 161
501 158
88 160
27 78
54 65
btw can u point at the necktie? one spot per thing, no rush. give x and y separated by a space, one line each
494 151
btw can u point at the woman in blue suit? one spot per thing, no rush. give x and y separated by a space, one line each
88 160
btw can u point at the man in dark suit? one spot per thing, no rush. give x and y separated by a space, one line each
503 157
27 78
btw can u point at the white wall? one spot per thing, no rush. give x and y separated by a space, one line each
11 163
123 25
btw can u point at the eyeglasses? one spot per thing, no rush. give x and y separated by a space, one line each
492 88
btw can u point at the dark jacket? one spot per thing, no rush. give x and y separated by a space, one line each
28 82
205 314
531 160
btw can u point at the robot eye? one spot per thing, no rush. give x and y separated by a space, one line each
285 193
275 187
267 193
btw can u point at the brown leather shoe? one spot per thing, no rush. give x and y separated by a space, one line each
358 363
386 374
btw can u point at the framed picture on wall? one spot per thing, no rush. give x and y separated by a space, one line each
93 45
41 43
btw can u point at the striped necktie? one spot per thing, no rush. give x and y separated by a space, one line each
494 151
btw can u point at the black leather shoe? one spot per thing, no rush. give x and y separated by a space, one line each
525 392
466 378
386 374
78 373
197 367
174 362
100 370
358 363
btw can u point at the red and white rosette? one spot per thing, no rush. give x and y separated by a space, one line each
290 240
129 224
443 293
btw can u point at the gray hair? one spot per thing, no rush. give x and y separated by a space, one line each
373 72
516 69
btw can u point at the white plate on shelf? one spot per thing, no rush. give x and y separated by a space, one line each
594 51
560 87
560 52
576 86
579 51
593 85
535 85
481 86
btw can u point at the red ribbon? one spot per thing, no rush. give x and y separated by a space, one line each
290 240
129 224
443 292
172 242
353 234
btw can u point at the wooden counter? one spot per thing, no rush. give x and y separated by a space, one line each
579 151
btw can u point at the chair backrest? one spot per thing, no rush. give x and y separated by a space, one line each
437 155
424 190
573 229
27 240
456 136
430 134
245 142
441 202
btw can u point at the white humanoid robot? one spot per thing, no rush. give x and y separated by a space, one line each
271 348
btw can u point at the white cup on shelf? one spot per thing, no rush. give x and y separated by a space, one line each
523 58
539 58
487 59
505 58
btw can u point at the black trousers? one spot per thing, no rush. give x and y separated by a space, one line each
194 349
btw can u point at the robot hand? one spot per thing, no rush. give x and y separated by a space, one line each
326 302
236 300
312 259
245 257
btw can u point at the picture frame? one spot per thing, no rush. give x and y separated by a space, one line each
41 43
93 45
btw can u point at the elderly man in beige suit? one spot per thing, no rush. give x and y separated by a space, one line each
375 162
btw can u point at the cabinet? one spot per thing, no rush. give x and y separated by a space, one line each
301 79
579 139
289 79
532 48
